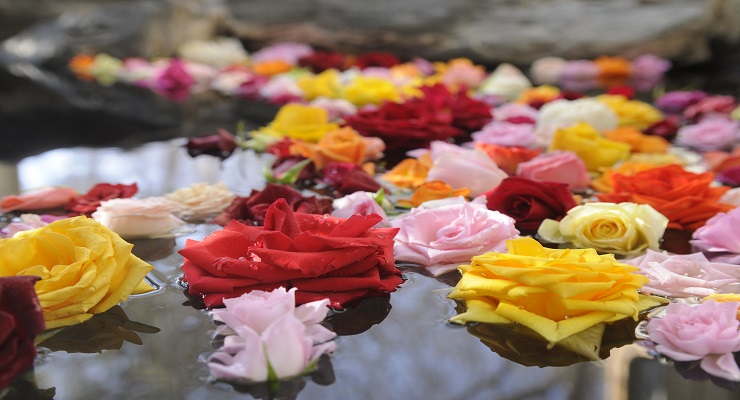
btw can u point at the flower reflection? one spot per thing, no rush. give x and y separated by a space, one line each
26 388
692 370
153 249
105 331
523 346
361 316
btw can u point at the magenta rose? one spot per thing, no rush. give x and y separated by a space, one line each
506 134
174 82
530 202
714 133
21 319
564 167
677 101
730 176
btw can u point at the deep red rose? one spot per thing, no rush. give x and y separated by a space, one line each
252 209
730 176
530 202
281 148
21 319
348 178
623 90
221 144
468 114
666 128
322 256
376 59
570 95
320 61
250 89
87 203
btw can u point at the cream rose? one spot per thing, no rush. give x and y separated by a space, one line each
563 113
138 217
506 81
220 52
624 228
200 201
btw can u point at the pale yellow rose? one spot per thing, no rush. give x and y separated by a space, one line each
364 90
624 228
631 113
595 151
298 121
200 201
325 84
556 293
85 268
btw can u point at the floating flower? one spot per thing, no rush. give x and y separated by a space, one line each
506 134
28 222
707 332
221 144
433 190
441 238
721 233
320 61
638 141
219 52
134 218
506 81
560 166
677 101
530 202
362 91
711 106
461 72
41 199
409 173
87 203
85 268
717 133
624 228
556 293
507 158
322 256
628 168
586 142
348 178
565 113
631 113
200 201
336 108
326 84
343 145
174 81
298 121
547 70
284 51
359 203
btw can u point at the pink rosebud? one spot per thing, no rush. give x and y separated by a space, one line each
564 167
721 233
481 173
359 203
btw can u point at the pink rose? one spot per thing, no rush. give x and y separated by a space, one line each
28 222
336 109
481 173
174 81
286 51
678 100
506 134
685 275
709 134
359 203
42 199
707 332
721 233
511 112
720 106
547 70
442 238
564 167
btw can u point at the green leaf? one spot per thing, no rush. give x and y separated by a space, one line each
379 197
291 175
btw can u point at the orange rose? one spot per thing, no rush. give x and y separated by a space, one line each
433 190
629 168
686 198
640 142
269 68
410 172
539 95
343 145
507 158
80 65
612 70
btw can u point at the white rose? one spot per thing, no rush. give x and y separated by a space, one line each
137 217
506 81
200 201
563 113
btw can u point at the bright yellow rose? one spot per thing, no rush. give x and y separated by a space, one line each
364 90
624 228
325 84
595 151
631 113
298 121
556 293
85 268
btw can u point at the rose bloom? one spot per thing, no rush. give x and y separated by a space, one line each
359 203
41 199
547 70
432 190
686 198
443 237
265 332
724 298
133 218
252 209
506 81
677 101
722 160
516 113
22 319
507 158
284 51
538 96
530 202
561 166
715 133
685 275
730 176
221 144
461 72
506 134
89 202
718 106
348 178
612 68
628 168
721 233
707 332
468 114
564 113
322 256
579 75
336 108
219 52
665 128
85 268
343 145
326 84
364 90
200 201
376 59
298 121
482 174
649 67
624 228
28 222
638 141
409 173
556 293
173 82
281 90
586 142
320 61
631 113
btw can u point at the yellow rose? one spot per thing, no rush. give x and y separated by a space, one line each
624 228
364 90
85 268
298 121
325 84
556 293
631 113
595 151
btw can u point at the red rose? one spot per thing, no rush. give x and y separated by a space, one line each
89 202
21 319
665 128
322 256
468 114
530 202
320 61
376 59
348 178
221 144
252 209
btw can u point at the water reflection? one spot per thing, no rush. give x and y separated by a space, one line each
25 388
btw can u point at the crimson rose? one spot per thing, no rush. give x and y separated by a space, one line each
348 178
530 202
322 256
21 319
89 202
376 59
320 61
